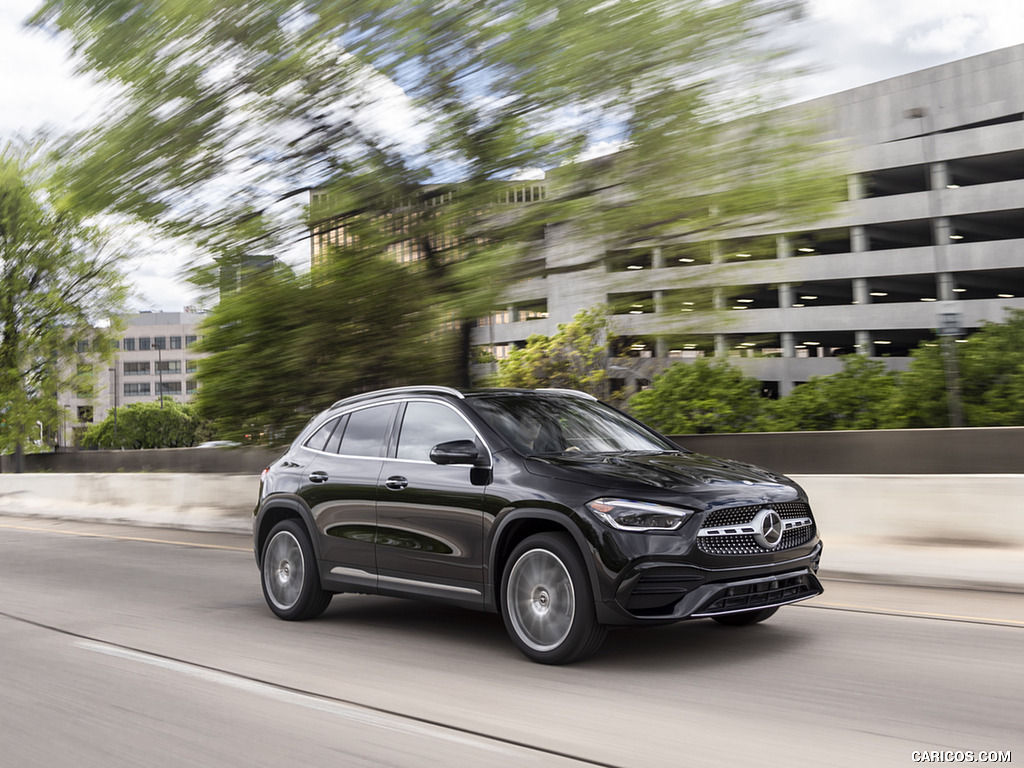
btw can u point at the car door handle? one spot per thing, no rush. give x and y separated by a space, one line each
318 477
396 483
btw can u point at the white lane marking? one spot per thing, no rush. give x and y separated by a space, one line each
308 701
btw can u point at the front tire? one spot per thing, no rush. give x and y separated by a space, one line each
547 602
288 572
746 618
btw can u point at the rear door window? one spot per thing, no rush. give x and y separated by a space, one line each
366 430
319 439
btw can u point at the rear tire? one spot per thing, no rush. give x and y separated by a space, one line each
746 618
288 572
547 602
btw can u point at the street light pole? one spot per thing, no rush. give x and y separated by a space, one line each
114 372
949 321
160 373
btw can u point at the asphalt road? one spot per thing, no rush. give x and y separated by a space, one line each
136 647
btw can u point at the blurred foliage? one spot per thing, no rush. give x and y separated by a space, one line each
228 113
715 397
58 274
574 358
288 345
148 425
991 364
861 396
700 397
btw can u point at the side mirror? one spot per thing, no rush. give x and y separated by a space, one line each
455 452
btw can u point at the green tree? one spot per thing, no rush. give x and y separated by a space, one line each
287 346
272 98
574 358
148 425
920 397
858 397
700 397
59 275
991 363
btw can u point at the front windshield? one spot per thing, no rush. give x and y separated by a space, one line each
540 424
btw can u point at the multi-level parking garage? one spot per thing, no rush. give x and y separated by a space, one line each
934 224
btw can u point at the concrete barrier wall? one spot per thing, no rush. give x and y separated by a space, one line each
941 510
975 450
166 499
958 510
245 460
971 450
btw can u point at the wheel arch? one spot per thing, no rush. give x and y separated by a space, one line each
273 511
520 524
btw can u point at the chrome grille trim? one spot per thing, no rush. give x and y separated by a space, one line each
740 530
731 531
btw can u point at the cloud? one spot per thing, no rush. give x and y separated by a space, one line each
856 43
38 86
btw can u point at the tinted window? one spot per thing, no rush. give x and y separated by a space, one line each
334 443
427 424
537 425
364 435
318 440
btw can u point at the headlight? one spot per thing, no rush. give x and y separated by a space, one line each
629 515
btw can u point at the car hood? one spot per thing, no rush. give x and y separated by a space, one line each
670 471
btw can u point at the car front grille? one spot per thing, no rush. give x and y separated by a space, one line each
730 531
762 593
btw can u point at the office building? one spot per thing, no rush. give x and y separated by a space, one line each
930 239
155 358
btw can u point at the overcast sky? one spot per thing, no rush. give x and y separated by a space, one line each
853 42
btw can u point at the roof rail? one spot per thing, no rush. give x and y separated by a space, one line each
573 392
423 390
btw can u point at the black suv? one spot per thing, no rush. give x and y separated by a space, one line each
562 513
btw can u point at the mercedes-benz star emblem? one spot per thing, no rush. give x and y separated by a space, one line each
768 528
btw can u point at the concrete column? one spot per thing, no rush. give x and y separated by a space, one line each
939 175
659 302
721 345
863 341
944 285
660 347
657 260
861 294
783 247
716 252
788 345
859 239
785 295
855 186
941 232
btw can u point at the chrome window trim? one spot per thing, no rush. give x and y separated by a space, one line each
341 415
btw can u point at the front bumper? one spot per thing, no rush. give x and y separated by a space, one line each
659 592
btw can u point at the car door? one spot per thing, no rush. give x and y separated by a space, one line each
341 487
429 516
